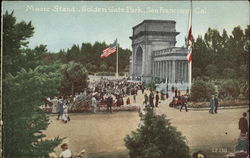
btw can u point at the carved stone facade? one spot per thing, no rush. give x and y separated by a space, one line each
155 55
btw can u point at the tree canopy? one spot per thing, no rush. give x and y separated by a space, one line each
156 138
215 52
26 81
89 56
219 56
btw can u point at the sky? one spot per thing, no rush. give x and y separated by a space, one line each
60 24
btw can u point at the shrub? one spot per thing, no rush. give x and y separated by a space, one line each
211 71
229 73
229 89
156 138
103 67
91 73
196 72
121 73
91 68
151 85
201 90
105 74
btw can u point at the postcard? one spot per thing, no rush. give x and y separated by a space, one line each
125 79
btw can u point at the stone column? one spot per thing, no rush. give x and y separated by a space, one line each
158 69
168 70
153 68
184 71
180 67
187 71
164 69
173 71
181 77
177 77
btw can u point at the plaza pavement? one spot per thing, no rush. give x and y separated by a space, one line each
105 132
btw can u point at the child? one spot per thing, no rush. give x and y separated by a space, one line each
66 153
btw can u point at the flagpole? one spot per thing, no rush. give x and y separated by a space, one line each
190 63
117 61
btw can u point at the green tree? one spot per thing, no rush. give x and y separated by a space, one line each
91 67
229 89
74 77
26 81
156 138
196 72
229 73
90 54
221 51
103 67
202 90
24 120
211 71
15 37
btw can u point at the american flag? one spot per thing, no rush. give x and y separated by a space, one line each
189 44
190 36
111 49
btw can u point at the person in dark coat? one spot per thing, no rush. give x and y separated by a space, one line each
187 91
175 93
61 104
212 105
157 97
151 99
142 89
109 104
216 104
183 103
145 99
243 124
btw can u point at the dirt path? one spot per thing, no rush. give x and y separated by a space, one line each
105 132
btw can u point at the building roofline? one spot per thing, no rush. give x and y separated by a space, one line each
156 33
154 21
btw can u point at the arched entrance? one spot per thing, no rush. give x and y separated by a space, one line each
138 65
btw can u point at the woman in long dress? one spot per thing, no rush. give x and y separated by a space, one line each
55 106
65 116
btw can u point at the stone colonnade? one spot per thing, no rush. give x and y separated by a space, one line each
176 71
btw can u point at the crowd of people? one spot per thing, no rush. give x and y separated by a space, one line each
98 94
109 93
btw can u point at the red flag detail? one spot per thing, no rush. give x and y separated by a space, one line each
111 49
